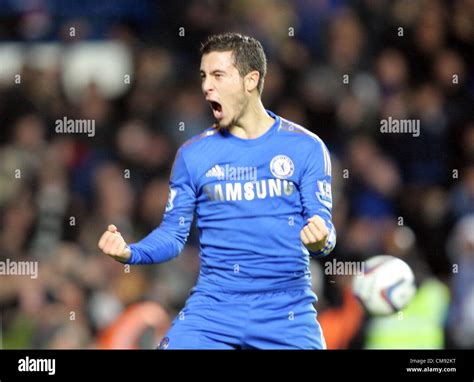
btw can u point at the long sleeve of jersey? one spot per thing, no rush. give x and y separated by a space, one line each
167 241
316 196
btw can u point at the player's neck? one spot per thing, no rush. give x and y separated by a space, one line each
253 123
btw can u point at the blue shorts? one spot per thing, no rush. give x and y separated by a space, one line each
230 320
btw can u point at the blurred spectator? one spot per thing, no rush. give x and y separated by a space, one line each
461 251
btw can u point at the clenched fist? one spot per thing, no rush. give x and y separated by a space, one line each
314 234
113 244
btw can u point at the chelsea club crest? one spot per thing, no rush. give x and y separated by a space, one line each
282 167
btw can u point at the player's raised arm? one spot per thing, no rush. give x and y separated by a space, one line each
318 235
166 241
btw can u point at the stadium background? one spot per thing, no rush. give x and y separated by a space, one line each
132 68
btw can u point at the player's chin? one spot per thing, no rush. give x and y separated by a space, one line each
223 123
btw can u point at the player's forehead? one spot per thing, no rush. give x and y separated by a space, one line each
217 61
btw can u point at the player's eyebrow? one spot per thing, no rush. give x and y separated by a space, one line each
216 71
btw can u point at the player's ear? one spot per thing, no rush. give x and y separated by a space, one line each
251 80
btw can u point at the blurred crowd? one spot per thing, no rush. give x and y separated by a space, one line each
336 67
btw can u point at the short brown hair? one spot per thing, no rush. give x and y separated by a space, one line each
248 53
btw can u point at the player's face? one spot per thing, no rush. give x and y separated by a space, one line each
223 87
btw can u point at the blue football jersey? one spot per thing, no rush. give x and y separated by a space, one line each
251 198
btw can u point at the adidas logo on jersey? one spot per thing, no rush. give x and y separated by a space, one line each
217 172
226 172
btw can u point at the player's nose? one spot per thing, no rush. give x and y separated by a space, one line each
207 87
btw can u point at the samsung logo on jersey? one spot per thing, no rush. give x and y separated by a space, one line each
249 190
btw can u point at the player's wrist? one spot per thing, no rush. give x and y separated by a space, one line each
316 247
125 256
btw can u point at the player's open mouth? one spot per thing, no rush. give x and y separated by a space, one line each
216 109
